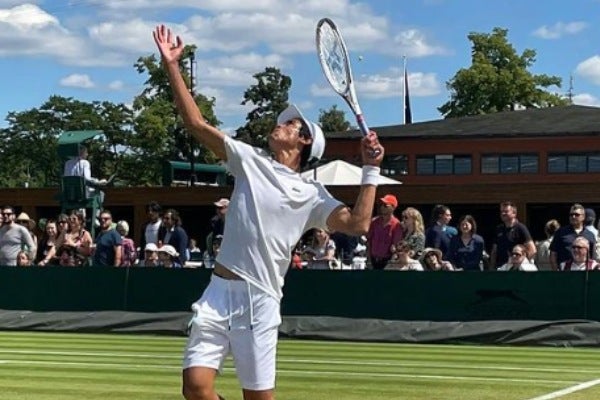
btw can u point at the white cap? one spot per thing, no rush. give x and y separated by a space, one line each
170 250
318 139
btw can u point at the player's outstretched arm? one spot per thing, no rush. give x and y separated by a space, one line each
171 51
356 221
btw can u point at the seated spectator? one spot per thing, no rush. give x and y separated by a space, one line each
129 255
402 259
23 259
67 257
150 256
193 246
580 260
210 255
518 260
320 253
432 260
46 252
168 257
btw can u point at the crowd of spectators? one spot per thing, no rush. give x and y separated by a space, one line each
405 244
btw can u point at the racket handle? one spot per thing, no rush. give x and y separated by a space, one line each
362 124
364 129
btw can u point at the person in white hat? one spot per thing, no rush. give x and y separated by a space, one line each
168 257
270 208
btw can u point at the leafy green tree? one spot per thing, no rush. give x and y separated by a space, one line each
159 133
498 79
269 96
333 120
28 145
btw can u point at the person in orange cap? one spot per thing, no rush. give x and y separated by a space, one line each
385 230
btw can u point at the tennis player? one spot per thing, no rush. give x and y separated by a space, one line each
270 208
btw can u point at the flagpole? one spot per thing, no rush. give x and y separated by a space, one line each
404 90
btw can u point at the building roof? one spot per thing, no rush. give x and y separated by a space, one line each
553 121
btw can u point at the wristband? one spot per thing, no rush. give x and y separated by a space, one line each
370 175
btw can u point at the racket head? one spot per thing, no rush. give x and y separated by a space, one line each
333 56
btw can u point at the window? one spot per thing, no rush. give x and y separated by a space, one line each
509 164
444 164
395 164
575 163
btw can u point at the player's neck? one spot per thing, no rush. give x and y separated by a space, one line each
290 159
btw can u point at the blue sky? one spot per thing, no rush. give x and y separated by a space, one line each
86 48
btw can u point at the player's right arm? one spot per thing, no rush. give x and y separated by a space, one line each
207 135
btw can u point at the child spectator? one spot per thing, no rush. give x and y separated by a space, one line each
23 259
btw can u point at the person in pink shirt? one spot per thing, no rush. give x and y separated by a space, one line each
385 230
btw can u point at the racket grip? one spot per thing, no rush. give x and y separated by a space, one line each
364 129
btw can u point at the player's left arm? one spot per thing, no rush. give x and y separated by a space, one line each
356 221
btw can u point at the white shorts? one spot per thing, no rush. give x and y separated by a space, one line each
232 316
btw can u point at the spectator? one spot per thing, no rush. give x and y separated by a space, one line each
210 255
62 224
171 232
129 256
385 230
413 230
217 222
108 249
80 166
46 251
150 256
152 226
168 257
432 260
320 253
560 247
345 246
23 219
436 235
77 237
193 246
580 259
24 259
508 234
518 261
13 238
590 220
466 250
542 256
67 257
403 260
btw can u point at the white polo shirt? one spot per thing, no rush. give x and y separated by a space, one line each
270 208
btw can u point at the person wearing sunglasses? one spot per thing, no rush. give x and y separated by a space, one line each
518 261
14 238
560 248
580 259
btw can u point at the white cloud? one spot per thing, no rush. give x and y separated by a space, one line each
590 69
560 29
413 43
116 85
586 99
387 85
82 81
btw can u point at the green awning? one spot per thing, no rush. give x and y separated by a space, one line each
69 141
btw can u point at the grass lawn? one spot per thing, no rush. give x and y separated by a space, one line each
69 366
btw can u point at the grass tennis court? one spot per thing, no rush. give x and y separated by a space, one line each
68 366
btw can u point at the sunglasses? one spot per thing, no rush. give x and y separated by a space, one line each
575 215
578 247
7 214
104 219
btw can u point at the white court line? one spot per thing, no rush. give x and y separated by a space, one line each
308 361
289 372
569 390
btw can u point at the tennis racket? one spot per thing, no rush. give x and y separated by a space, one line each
335 62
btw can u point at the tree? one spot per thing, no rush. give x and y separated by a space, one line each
498 79
270 96
333 120
28 147
159 133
